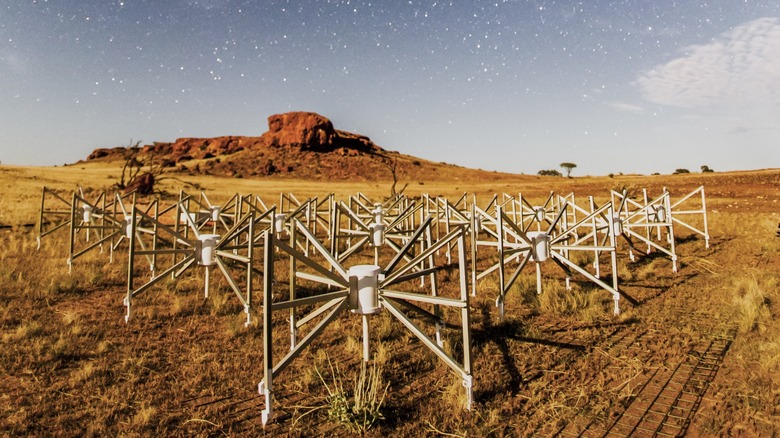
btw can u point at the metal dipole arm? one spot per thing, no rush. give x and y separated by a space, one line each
264 387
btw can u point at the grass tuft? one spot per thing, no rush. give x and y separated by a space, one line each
27 329
556 299
751 304
361 409
144 417
455 394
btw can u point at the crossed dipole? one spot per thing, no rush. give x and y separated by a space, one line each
353 231
682 208
365 290
518 246
315 212
57 212
647 222
234 253
202 212
652 221
528 215
110 221
93 223
90 223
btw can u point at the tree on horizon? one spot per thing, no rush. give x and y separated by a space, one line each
568 167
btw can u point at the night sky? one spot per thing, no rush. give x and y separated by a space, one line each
517 86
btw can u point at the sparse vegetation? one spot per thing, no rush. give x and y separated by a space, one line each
362 409
131 166
185 365
392 165
557 300
131 177
551 172
752 304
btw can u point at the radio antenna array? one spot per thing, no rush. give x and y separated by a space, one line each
110 221
233 253
57 216
364 290
678 213
377 256
515 245
641 221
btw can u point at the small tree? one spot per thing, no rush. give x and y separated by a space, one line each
392 165
568 167
550 172
679 171
706 169
132 165
132 178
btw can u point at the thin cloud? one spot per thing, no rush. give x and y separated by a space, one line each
744 129
12 61
626 107
741 66
207 4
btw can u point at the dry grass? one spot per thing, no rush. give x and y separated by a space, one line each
555 298
751 302
74 368
357 409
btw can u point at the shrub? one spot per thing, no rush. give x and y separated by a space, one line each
362 410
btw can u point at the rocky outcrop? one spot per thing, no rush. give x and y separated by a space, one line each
100 153
199 148
311 131
299 129
303 144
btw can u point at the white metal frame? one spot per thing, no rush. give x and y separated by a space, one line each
230 252
516 245
326 270
647 222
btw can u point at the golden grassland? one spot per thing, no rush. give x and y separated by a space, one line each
559 362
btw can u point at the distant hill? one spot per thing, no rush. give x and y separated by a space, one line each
301 145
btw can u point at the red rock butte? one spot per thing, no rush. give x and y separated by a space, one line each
303 144
300 145
303 130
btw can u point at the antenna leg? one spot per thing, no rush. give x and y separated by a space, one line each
366 339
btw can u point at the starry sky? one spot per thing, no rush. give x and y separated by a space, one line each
634 86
